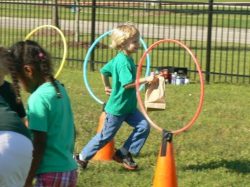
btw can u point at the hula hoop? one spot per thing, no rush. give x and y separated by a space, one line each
198 110
85 64
65 48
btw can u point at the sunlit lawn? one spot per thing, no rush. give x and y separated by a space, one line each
213 153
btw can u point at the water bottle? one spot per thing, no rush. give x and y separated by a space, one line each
186 80
178 80
173 78
156 71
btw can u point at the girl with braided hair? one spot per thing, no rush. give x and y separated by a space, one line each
49 116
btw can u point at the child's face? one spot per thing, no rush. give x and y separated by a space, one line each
132 45
27 84
28 79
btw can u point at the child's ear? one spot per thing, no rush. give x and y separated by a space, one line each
28 70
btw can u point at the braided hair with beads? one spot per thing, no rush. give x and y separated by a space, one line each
30 53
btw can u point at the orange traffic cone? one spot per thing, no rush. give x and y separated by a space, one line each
165 174
106 153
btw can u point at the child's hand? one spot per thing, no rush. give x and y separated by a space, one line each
152 79
107 90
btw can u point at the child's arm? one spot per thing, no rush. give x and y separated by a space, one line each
106 83
149 79
39 143
25 121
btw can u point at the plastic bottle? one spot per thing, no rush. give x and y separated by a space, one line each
178 80
173 78
186 81
156 72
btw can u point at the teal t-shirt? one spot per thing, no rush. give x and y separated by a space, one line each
123 71
48 113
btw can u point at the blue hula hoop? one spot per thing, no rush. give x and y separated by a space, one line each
85 64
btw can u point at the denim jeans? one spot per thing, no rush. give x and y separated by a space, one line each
112 124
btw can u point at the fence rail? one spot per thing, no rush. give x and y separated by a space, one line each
218 33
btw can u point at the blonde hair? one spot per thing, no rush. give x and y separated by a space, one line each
121 34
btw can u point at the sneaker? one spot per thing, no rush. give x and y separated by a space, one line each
127 160
80 163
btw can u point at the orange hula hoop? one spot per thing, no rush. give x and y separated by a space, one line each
138 75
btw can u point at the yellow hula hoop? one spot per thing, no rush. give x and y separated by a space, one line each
65 48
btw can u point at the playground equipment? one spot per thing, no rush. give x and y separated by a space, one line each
106 153
65 47
165 175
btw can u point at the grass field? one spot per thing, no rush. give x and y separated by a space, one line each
213 153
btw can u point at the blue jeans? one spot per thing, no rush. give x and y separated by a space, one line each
112 124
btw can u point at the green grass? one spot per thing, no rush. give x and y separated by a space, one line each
213 153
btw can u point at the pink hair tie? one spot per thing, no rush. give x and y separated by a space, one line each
41 56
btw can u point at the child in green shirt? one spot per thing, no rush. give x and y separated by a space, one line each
122 103
49 115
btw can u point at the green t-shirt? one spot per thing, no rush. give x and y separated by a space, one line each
123 71
10 121
48 113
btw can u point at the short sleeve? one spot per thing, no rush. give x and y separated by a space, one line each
125 75
37 114
107 69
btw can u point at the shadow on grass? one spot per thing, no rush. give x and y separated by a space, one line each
239 166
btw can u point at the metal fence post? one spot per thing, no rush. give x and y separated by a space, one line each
209 40
55 16
93 20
